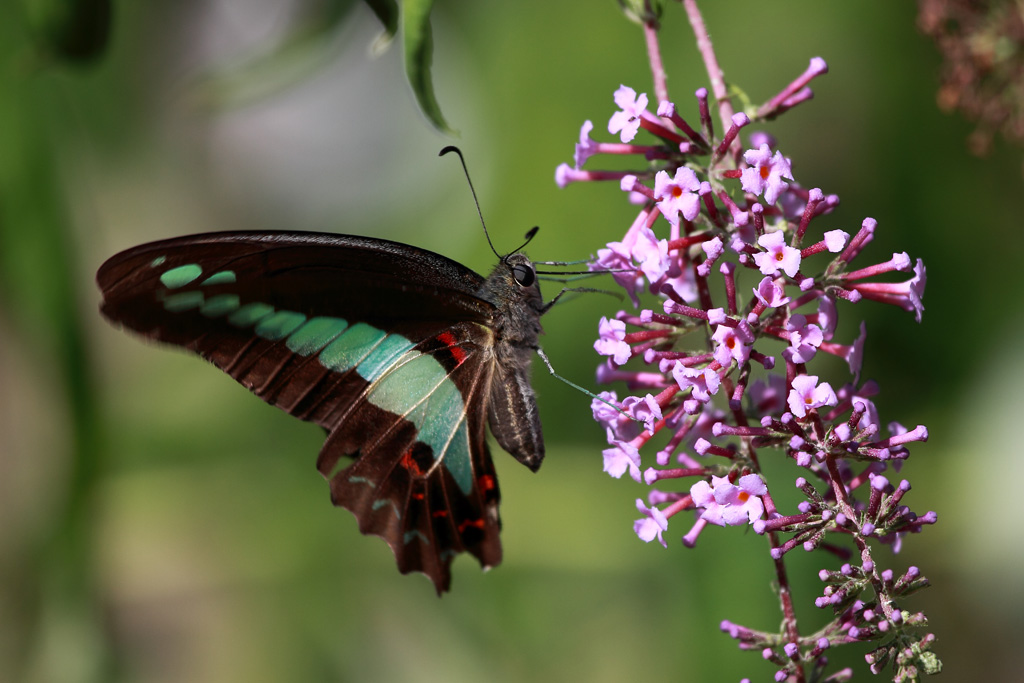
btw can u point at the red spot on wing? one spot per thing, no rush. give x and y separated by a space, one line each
486 483
465 524
449 340
409 463
439 513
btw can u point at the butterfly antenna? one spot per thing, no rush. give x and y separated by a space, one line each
453 148
529 238
563 263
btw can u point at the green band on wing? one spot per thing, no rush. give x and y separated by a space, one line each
383 357
279 325
351 347
250 314
444 430
181 276
402 381
418 388
222 278
315 334
183 301
220 304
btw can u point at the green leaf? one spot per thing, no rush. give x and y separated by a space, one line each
418 53
387 12
71 30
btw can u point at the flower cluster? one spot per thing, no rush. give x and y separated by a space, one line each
719 377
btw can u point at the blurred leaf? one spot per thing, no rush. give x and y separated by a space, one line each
387 12
418 54
71 30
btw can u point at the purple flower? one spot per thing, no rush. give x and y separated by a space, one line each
730 504
617 257
620 458
807 394
771 294
644 409
804 339
742 502
684 285
627 120
652 525
855 355
586 146
617 426
835 240
778 255
765 173
702 383
605 413
827 318
733 343
610 343
677 195
703 495
652 255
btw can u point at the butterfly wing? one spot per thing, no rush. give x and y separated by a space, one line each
384 345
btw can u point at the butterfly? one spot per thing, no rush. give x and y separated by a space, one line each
402 355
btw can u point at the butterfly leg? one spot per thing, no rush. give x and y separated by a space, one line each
566 290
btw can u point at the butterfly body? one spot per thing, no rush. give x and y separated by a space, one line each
402 355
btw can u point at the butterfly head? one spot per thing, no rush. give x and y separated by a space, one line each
514 290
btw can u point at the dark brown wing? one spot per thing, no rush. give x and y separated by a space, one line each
337 330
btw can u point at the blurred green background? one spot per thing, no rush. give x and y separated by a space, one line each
159 524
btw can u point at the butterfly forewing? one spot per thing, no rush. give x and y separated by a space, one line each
386 346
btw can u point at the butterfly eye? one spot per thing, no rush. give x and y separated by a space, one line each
523 274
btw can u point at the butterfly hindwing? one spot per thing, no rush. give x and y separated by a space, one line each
392 349
440 497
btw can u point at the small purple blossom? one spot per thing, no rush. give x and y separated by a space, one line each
777 255
733 343
702 382
611 334
645 410
607 413
771 293
620 458
626 121
617 257
728 504
652 255
677 195
652 525
807 394
586 147
836 240
804 340
765 173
